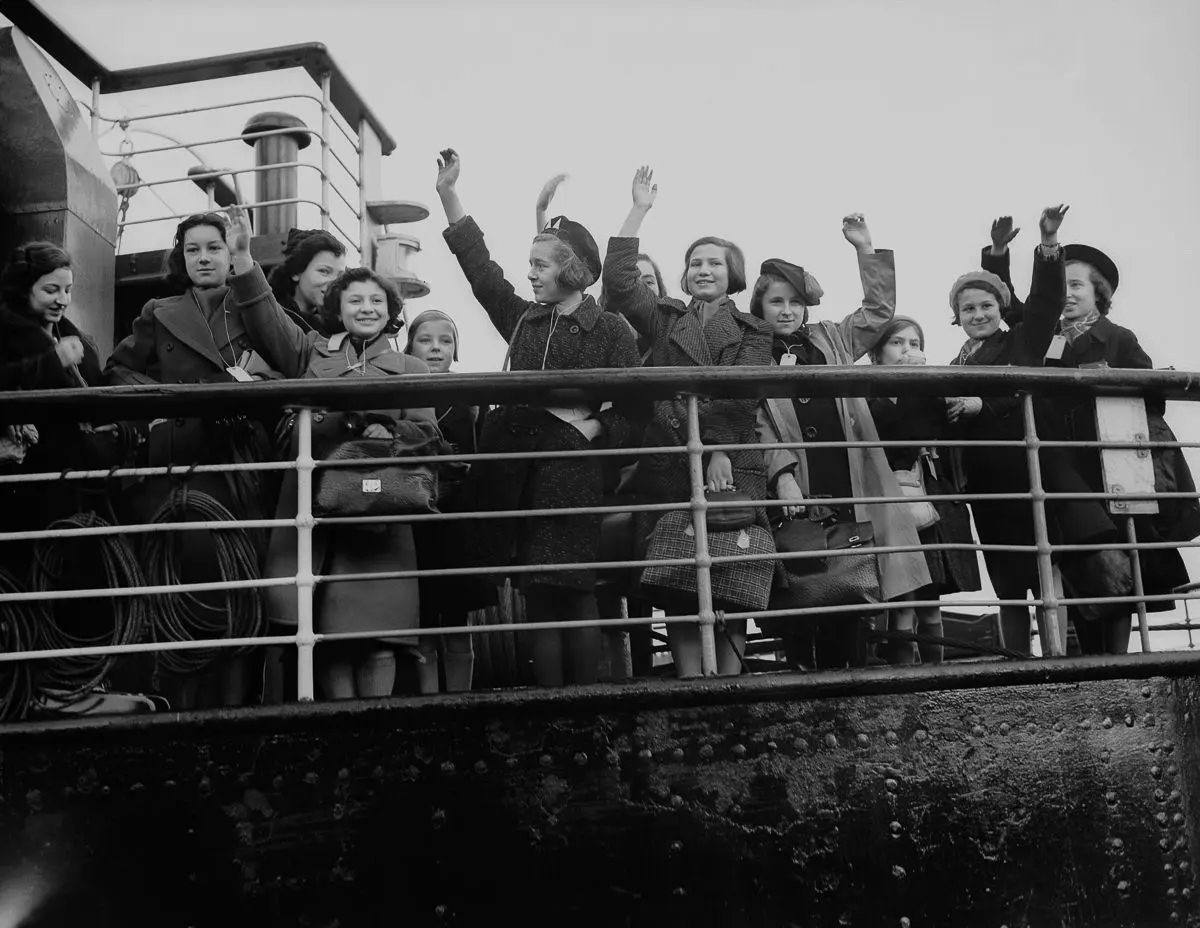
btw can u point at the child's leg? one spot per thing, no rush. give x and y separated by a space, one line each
335 669
901 620
459 658
684 640
427 666
1116 634
375 671
929 623
546 646
731 646
582 644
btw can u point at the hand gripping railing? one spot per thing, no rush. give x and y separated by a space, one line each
571 388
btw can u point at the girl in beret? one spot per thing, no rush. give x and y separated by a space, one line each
707 330
1087 338
312 259
783 296
560 329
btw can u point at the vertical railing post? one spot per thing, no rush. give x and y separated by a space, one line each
95 107
305 581
708 618
326 137
1051 625
370 153
1135 563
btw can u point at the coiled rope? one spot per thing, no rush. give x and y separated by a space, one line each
18 624
188 616
72 563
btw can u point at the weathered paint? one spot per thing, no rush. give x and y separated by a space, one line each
770 802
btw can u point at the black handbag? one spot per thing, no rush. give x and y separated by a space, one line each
733 518
833 580
374 489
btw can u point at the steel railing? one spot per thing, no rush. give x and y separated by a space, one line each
569 388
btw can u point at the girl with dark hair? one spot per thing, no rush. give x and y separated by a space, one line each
445 601
561 329
1088 338
359 308
40 349
199 336
312 259
709 330
923 418
783 297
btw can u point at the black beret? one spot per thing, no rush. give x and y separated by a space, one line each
580 240
1096 258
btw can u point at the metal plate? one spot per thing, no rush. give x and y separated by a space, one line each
392 212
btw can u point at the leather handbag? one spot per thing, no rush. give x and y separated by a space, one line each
912 483
831 580
732 518
1095 574
741 586
374 489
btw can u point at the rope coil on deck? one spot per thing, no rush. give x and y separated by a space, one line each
18 625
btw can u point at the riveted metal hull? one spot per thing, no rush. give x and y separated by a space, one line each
988 800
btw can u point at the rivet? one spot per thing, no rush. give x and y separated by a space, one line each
546 760
1161 818
344 774
137 787
376 774
977 731
1164 843
1184 866
659 791
310 778
1085 724
800 744
1031 728
441 911
1107 723
448 768
905 922
1168 748
1148 721
1110 797
863 740
1123 886
739 750
613 758
891 737
106 790
899 872
1156 771
890 785
706 751
679 891
677 754
1146 692
1177 818
481 767
1174 795
1172 770
171 784
1129 721
511 763
580 759
645 755
895 828
277 783
1160 796
1058 726
675 847
1168 867
676 801
1117 844
1005 728
1171 893
921 734
1186 892
439 818
772 746
1174 917
831 741
205 787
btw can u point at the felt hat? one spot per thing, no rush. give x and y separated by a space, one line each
802 281
973 278
579 239
1103 264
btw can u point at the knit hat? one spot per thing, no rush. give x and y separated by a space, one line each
579 239
430 315
974 278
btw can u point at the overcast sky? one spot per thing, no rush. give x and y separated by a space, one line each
765 121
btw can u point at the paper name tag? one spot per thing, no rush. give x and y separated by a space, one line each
238 373
1058 345
372 486
743 541
787 360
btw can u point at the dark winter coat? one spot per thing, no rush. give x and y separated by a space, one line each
538 340
678 339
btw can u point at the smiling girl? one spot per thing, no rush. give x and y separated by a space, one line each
560 329
312 259
358 308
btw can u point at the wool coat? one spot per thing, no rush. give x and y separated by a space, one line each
357 605
845 342
679 339
29 361
541 339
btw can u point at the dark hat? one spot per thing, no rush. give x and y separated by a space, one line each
580 240
430 315
296 236
802 282
1096 258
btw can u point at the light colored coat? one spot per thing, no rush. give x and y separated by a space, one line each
870 475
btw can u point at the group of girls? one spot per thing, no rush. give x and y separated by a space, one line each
315 318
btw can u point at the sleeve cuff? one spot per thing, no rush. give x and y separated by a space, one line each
249 287
459 235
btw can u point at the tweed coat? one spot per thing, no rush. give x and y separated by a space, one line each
870 474
539 339
678 339
356 605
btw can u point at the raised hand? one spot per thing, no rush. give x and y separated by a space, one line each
1003 232
69 350
239 232
644 191
449 166
376 430
1052 217
854 228
548 190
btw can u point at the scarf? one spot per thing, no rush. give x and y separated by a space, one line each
798 344
1074 328
970 346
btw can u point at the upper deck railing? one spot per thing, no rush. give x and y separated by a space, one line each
561 388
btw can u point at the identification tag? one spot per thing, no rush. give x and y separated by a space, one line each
787 360
238 373
1058 345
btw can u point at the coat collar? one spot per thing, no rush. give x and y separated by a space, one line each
587 314
989 351
1101 330
183 318
703 344
336 357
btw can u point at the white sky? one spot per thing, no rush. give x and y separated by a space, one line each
765 121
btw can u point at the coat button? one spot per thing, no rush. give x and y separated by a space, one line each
674 422
574 330
319 417
810 433
803 399
170 346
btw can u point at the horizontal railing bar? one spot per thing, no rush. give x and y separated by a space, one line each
123 592
573 387
206 109
283 202
177 146
213 175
